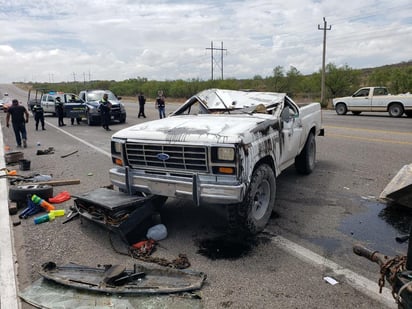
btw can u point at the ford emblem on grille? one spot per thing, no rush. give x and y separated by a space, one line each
163 156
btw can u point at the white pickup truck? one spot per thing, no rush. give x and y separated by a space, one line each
221 147
374 99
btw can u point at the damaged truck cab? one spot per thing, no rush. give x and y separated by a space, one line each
222 147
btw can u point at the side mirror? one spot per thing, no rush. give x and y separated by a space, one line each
285 115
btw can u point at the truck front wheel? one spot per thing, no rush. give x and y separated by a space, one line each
341 109
252 215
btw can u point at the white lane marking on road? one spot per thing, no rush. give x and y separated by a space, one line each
8 285
362 284
82 141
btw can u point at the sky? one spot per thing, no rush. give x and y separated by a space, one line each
82 40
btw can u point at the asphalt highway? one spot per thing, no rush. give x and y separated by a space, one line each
317 218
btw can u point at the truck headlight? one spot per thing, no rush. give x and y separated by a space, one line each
117 148
226 154
117 152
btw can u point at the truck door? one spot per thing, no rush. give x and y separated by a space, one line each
361 100
44 102
290 133
379 99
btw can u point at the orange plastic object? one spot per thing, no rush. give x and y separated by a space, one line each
60 198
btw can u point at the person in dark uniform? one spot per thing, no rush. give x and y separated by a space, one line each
142 101
78 119
105 107
60 111
19 118
38 112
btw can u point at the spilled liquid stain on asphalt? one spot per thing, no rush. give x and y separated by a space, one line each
229 246
379 225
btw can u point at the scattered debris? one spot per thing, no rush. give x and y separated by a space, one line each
69 154
47 151
58 182
13 157
60 198
31 209
330 280
128 215
12 208
48 294
24 164
71 216
117 279
157 232
40 178
399 189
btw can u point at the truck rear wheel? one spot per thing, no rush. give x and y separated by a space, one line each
395 110
341 109
305 161
252 215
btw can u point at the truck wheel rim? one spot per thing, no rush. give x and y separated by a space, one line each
261 200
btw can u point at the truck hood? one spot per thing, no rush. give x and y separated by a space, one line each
204 129
96 104
341 99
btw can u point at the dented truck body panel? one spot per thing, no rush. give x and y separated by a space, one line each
209 147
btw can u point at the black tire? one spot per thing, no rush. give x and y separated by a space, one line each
305 161
19 193
356 113
90 121
252 215
341 109
395 110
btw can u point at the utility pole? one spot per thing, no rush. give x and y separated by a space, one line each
322 90
212 49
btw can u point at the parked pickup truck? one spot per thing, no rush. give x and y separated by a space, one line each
374 99
220 147
92 99
73 106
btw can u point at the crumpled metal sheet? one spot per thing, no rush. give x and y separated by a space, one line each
47 294
399 189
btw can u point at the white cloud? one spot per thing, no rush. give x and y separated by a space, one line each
55 40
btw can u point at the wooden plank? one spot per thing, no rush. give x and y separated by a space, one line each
56 182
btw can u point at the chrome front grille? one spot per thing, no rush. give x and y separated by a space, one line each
167 157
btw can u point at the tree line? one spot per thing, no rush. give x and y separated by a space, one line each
339 81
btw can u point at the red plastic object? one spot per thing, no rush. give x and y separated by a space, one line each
60 198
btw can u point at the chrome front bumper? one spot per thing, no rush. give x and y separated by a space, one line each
200 189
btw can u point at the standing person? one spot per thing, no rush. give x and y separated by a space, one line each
161 104
38 115
19 118
105 107
60 111
78 119
142 102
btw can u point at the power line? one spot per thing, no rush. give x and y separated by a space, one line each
212 49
